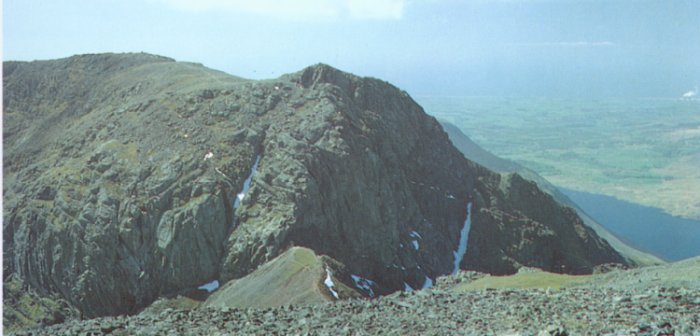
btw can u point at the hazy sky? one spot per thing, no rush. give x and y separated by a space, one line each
470 47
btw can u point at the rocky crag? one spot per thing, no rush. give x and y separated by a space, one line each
129 177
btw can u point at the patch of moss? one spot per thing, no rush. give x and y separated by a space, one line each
23 308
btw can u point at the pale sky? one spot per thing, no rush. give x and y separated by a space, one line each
427 47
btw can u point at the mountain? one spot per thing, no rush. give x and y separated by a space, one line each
131 177
474 152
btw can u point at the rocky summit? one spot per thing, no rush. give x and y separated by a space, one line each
133 177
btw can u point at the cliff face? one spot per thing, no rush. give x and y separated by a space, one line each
128 177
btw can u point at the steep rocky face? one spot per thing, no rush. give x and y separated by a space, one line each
128 177
527 227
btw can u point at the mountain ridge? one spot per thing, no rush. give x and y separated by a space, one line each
156 176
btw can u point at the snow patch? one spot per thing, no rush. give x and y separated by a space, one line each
364 284
415 244
428 283
415 235
246 185
407 288
210 287
329 283
464 234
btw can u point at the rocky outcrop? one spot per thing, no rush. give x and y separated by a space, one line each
130 177
520 225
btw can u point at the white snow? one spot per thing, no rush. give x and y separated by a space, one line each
415 244
415 235
464 234
210 287
329 283
246 185
450 196
407 287
428 283
364 284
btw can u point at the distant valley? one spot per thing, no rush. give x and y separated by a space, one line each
641 150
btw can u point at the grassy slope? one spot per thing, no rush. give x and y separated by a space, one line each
537 279
295 277
684 273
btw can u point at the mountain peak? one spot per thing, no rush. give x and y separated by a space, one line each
325 74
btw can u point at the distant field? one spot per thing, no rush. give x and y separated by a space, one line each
644 151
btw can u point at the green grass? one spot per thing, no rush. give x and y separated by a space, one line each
525 280
295 277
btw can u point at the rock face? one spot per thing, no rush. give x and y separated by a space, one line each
132 176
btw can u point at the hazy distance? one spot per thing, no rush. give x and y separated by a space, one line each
428 47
